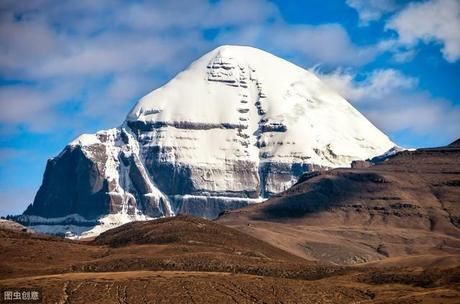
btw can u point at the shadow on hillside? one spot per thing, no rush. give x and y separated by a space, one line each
322 193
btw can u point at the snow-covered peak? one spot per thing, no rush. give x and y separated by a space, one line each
236 126
255 91
205 90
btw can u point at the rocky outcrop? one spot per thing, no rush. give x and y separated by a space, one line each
74 184
360 164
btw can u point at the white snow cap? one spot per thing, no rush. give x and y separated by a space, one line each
245 86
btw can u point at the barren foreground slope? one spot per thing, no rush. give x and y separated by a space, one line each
189 260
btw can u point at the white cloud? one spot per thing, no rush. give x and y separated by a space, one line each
34 107
163 15
381 83
109 104
372 10
22 43
393 102
418 113
114 53
46 39
403 55
431 21
326 44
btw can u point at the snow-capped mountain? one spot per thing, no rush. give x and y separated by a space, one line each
237 126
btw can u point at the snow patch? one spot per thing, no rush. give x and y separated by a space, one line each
85 140
76 227
108 222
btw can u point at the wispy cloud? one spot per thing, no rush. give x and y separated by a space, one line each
379 83
393 101
329 44
372 10
34 106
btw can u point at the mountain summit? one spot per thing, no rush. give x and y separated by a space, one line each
237 126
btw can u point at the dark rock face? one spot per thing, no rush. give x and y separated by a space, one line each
142 126
73 183
149 205
169 178
455 144
76 182
275 176
207 207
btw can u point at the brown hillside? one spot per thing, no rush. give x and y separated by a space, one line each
407 205
198 261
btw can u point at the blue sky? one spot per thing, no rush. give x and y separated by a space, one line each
72 67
